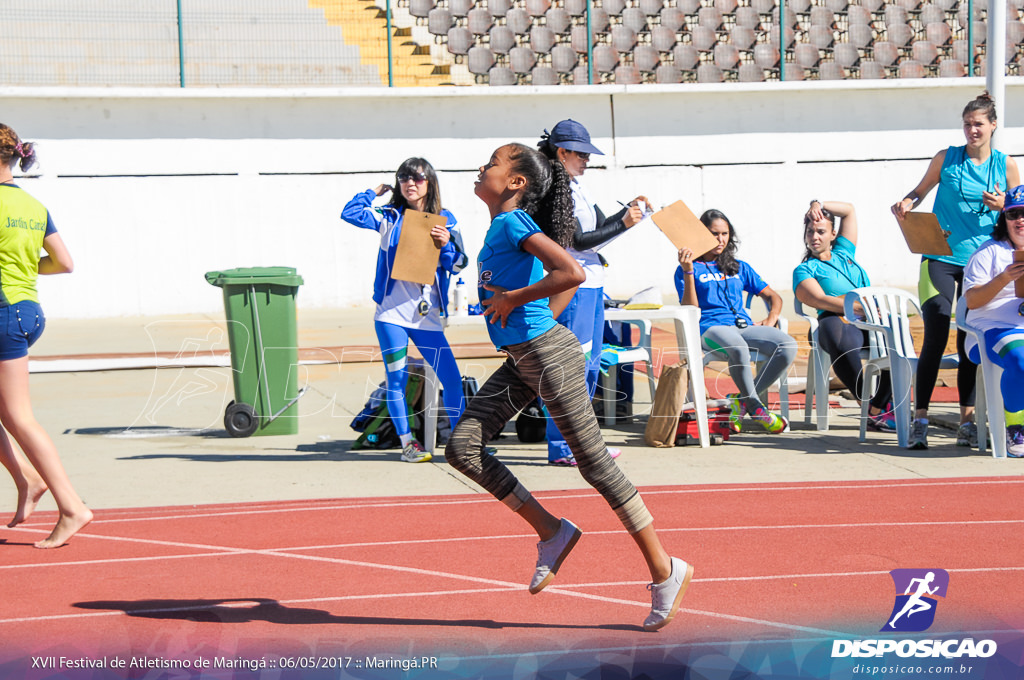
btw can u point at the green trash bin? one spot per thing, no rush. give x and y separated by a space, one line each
259 305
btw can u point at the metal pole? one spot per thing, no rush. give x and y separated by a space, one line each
970 37
391 82
590 48
782 40
181 50
995 58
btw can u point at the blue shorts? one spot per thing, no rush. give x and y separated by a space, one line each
21 324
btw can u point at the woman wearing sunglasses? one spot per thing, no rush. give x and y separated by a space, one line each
989 281
970 180
411 311
581 310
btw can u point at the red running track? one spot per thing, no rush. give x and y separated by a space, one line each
446 576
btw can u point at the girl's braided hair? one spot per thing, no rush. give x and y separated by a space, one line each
548 196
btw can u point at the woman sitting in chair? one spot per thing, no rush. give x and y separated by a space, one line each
989 282
716 282
826 274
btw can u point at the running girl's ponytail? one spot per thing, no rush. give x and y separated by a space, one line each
548 196
13 150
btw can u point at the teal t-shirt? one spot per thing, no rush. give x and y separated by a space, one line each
839 275
958 204
504 263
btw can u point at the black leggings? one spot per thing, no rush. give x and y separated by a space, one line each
936 312
843 342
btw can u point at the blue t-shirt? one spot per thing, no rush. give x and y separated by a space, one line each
504 263
839 275
721 297
958 201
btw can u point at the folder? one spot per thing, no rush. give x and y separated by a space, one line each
416 256
683 229
923 234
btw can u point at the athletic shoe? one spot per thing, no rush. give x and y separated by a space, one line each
413 453
771 422
551 553
738 409
1015 441
882 422
614 453
918 436
564 461
967 435
666 596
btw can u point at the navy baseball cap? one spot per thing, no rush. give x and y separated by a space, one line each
570 135
1014 198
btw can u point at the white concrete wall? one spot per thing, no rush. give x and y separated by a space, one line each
152 188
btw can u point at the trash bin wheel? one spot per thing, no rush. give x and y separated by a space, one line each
240 420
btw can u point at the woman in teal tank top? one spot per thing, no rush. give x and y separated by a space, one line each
972 180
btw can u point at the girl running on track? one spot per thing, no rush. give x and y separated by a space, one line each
519 185
410 311
25 229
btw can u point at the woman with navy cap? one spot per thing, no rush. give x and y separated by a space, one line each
583 314
989 281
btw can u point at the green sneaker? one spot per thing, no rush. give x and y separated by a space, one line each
771 422
738 409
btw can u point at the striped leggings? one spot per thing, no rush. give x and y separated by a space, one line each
551 365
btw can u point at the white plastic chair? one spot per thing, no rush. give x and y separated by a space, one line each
990 413
886 316
819 366
627 355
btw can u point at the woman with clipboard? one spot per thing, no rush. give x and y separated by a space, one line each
826 274
411 311
970 181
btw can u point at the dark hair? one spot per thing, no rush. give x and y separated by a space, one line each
807 221
548 195
726 261
983 103
11 147
1001 232
411 166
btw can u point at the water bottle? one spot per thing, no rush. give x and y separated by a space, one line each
461 298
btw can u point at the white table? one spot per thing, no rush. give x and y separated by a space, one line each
687 323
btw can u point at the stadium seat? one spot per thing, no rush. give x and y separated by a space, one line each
709 73
558 19
673 18
518 20
668 74
651 8
909 5
871 70
499 8
563 58
873 5
750 73
627 74
544 75
663 38
614 7
598 20
885 53
821 37
501 75
479 60
951 68
932 13
960 52
858 15
542 39
806 55
910 68
790 36
846 54
860 35
747 17
502 39
710 17
763 6
581 76
766 55
537 8
726 56
1014 33
947 5
623 38
634 19
440 20
459 40
742 37
420 8
605 59
799 6
576 8
925 52
830 70
938 32
822 16
685 57
522 59
578 38
703 38
837 5
961 14
479 21
794 72
899 34
460 8
646 58
726 6
688 7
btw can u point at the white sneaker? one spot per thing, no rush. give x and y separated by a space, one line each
551 553
666 596
413 453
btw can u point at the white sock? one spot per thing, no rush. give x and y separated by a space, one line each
405 438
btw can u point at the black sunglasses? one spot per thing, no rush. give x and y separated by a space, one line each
417 177
1014 213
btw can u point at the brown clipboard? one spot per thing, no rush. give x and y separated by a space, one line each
923 234
416 255
683 228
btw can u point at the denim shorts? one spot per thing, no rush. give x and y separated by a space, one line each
21 324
